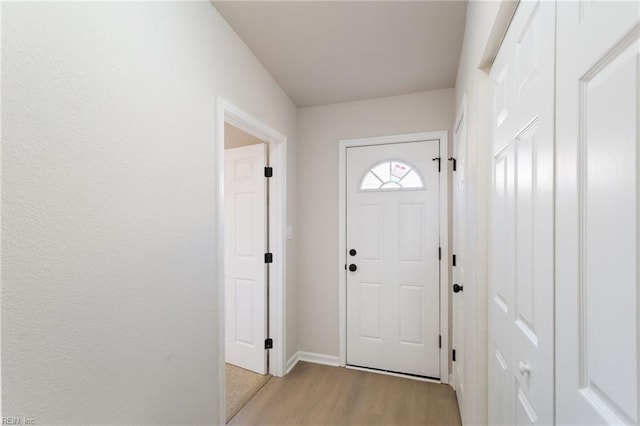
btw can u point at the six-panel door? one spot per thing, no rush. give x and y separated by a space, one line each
521 284
245 246
393 295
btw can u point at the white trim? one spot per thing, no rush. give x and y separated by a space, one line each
293 361
444 237
227 112
461 112
391 373
470 298
316 358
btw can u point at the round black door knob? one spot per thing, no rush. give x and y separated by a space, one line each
353 252
353 267
457 288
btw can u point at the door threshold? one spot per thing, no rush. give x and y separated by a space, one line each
395 373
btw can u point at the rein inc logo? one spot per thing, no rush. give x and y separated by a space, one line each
18 421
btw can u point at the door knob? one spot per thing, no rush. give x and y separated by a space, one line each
353 252
457 288
353 267
524 368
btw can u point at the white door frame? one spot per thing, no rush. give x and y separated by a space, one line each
441 136
226 112
468 353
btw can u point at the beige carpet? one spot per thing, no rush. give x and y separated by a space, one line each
240 387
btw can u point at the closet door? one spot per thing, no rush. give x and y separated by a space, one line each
597 305
521 284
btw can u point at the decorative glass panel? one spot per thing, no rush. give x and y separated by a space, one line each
370 181
382 171
398 171
391 175
391 185
411 180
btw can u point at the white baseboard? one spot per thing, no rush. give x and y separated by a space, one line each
333 361
315 358
293 361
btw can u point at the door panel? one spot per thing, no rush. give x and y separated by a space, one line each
598 94
521 284
411 230
370 318
501 394
393 298
245 245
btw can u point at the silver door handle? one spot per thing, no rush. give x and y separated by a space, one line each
524 368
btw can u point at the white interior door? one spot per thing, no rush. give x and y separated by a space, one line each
393 296
521 286
597 307
245 246
460 318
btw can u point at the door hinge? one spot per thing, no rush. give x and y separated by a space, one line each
268 258
453 355
268 344
453 260
439 253
440 341
454 163
437 159
268 172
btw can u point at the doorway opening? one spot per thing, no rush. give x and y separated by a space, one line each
246 194
393 206
251 208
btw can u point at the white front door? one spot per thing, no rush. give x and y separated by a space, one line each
597 290
461 321
245 247
393 295
521 299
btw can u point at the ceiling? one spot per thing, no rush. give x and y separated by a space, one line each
324 52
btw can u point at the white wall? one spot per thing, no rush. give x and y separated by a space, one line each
481 30
108 190
319 131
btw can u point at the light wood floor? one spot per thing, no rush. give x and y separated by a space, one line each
315 394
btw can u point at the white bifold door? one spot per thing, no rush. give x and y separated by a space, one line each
521 282
393 314
245 248
597 294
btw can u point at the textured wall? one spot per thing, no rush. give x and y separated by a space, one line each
320 129
108 200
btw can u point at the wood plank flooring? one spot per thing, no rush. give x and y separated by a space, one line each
315 394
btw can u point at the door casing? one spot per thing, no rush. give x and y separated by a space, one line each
462 319
277 146
441 136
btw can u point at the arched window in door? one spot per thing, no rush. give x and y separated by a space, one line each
392 175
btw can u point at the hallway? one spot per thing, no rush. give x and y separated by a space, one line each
319 394
448 189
